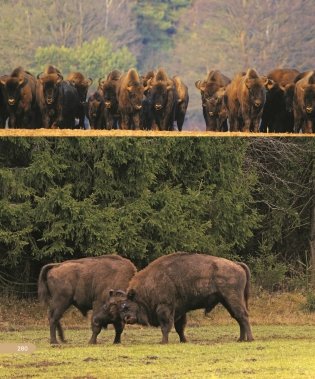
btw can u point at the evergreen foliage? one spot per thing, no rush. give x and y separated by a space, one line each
145 197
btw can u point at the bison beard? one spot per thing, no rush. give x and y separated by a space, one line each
84 283
163 292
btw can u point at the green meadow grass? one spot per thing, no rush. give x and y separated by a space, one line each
279 351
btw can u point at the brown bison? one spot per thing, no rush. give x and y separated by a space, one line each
19 95
3 108
130 96
163 99
212 92
95 110
277 115
57 99
169 287
109 89
182 101
84 283
304 104
245 99
82 85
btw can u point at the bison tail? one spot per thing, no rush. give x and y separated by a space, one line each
43 290
247 286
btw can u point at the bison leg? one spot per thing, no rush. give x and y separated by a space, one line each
60 332
96 330
180 327
119 327
238 311
166 320
54 316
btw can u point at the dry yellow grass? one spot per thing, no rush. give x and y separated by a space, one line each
265 309
132 133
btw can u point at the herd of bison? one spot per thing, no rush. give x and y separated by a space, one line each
159 295
282 101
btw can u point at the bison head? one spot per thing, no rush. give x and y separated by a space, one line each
12 89
256 91
309 99
110 311
131 310
110 98
50 83
159 94
135 95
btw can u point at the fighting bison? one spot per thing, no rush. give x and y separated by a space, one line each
304 104
82 85
169 287
109 89
84 283
278 113
19 95
182 101
163 99
212 91
245 98
57 100
130 95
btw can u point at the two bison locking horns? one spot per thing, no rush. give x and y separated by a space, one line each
159 295
281 101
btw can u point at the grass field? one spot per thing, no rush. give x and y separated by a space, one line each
284 345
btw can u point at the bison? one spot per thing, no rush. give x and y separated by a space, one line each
245 99
82 85
163 100
4 114
130 96
304 104
109 89
57 100
95 110
84 283
212 92
182 101
19 94
162 293
278 113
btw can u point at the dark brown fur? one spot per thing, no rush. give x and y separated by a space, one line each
130 93
182 101
245 99
304 104
84 283
213 108
163 101
169 287
278 110
19 95
109 88
57 99
95 110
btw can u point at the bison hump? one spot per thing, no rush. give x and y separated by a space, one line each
252 74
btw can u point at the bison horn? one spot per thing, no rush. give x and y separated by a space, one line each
39 75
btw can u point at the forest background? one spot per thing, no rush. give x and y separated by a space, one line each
186 37
249 199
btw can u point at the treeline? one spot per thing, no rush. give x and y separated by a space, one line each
187 37
247 199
